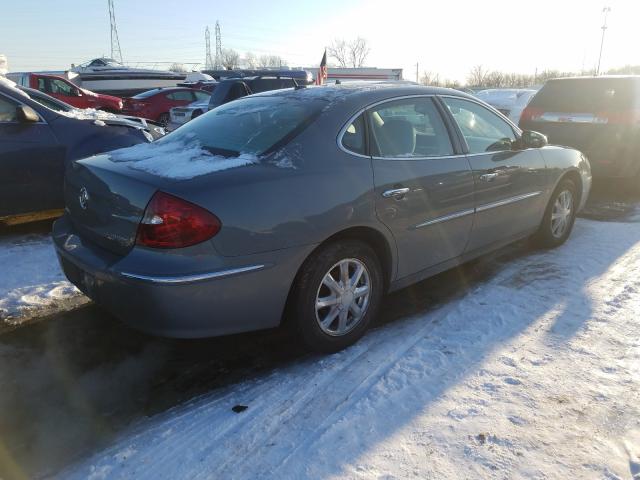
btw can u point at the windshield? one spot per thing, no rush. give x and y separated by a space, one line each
252 125
147 94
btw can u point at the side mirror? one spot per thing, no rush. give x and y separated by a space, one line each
26 114
531 139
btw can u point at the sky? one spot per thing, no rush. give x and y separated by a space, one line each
444 37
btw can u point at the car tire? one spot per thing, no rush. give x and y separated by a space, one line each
328 329
559 216
163 119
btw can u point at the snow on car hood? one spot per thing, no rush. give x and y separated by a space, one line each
180 159
89 114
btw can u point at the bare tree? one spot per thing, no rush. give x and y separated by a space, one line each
430 78
230 58
178 67
351 54
358 52
250 60
270 61
477 76
339 51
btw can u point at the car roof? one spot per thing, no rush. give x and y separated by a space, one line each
366 91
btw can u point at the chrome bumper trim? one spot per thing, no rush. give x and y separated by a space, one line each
173 280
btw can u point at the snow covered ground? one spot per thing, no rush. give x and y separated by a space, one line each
31 282
532 374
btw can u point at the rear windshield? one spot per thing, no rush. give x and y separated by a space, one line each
590 95
253 125
147 94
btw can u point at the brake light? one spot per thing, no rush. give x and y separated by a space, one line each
170 222
531 114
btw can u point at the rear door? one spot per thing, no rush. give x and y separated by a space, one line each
509 183
31 162
424 190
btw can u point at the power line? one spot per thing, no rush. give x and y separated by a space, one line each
116 53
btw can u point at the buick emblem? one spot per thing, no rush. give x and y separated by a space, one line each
83 198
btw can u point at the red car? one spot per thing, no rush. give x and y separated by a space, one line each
67 91
155 104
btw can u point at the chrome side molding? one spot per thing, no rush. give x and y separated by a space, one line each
481 208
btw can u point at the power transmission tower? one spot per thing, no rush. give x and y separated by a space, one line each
116 53
218 58
208 61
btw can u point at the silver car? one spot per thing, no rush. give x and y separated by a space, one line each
304 206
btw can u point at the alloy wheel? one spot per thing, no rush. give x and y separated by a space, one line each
343 297
561 214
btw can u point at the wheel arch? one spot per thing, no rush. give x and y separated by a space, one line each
381 245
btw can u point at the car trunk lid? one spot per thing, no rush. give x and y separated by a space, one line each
105 203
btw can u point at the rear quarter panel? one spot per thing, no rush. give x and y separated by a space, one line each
561 161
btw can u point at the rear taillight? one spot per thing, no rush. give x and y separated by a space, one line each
531 114
170 222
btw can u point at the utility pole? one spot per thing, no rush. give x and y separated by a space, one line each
208 61
116 53
417 79
604 27
218 57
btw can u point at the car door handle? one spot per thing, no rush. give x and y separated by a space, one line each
489 177
396 193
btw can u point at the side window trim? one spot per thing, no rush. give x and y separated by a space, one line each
344 128
463 142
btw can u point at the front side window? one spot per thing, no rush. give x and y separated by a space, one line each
7 111
60 87
409 128
249 125
483 130
353 138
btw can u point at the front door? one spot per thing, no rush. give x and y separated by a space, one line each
424 192
32 164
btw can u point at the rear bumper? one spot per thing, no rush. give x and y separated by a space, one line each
231 295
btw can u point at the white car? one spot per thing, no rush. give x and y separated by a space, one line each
509 101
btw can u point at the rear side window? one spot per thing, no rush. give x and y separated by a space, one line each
42 85
408 128
483 130
585 95
7 111
353 138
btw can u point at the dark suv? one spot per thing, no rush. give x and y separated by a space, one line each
226 90
598 115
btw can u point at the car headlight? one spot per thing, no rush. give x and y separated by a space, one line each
147 135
